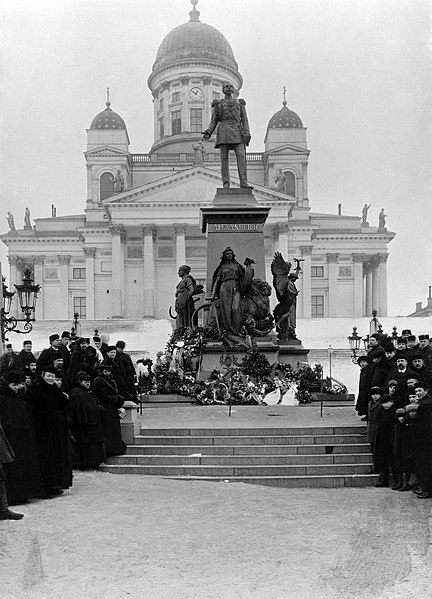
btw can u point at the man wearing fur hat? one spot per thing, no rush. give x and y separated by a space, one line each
425 349
8 360
25 357
49 410
365 378
424 440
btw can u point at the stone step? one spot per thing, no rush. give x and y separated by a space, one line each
237 432
221 450
223 471
245 460
251 440
295 482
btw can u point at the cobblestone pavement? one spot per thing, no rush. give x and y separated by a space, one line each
125 536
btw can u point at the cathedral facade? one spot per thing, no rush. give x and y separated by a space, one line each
119 258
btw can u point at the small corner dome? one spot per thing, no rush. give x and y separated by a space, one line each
285 119
108 119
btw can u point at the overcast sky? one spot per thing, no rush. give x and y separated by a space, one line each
357 72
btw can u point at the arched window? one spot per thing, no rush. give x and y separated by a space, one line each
290 187
106 186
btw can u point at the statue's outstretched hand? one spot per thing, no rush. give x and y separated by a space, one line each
206 135
248 261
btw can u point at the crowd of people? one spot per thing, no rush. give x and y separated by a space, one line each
395 400
59 412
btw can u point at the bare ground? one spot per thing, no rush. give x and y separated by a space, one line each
136 536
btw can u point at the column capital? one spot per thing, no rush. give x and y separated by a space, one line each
184 80
382 258
332 257
13 260
89 252
358 257
39 259
306 250
283 227
64 260
148 230
207 80
275 231
180 228
165 85
116 229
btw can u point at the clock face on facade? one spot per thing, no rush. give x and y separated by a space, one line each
195 93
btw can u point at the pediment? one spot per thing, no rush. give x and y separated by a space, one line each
194 186
288 149
105 151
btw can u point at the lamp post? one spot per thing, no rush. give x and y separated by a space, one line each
27 295
354 343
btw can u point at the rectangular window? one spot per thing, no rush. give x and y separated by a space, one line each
317 271
176 122
216 96
175 97
79 305
196 120
161 128
78 273
317 306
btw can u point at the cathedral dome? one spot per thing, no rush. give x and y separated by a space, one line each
285 119
194 41
108 119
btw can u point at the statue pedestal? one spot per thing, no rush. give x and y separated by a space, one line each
234 219
291 351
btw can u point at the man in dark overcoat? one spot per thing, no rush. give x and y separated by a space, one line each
105 389
424 440
47 355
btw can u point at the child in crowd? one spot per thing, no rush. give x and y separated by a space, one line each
411 416
374 407
400 442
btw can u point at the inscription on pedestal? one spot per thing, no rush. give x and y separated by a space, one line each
235 227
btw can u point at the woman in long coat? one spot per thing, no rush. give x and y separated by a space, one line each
49 410
86 425
105 389
23 477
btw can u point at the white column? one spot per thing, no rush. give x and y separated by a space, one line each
368 294
358 284
307 281
64 262
156 132
89 254
116 271
38 280
164 93
184 105
13 279
180 233
382 275
149 270
375 285
332 285
275 232
305 181
283 239
207 101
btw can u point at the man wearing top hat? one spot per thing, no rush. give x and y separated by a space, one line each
47 356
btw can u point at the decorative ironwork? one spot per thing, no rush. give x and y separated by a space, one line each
27 294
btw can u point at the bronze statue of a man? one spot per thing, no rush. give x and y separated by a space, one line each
232 134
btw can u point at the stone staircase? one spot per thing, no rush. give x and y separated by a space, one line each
282 457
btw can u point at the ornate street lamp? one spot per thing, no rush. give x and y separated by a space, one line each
354 343
27 296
